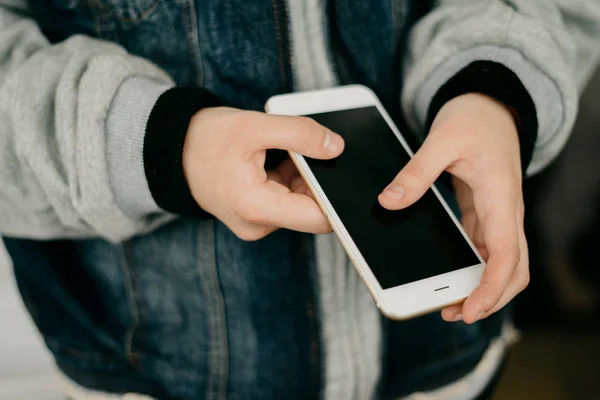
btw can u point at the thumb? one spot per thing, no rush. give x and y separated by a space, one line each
301 135
417 176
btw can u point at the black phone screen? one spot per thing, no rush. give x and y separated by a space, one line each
400 246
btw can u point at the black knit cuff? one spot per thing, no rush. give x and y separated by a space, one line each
497 81
163 148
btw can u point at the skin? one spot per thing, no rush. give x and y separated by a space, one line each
223 159
473 137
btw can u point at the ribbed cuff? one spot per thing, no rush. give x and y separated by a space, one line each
163 148
126 128
497 81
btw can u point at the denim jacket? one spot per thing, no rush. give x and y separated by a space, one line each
188 310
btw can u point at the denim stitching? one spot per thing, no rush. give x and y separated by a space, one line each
313 314
217 324
399 14
108 8
280 50
190 20
142 16
133 357
97 9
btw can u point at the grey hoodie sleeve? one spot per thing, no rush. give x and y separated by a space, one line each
551 45
72 122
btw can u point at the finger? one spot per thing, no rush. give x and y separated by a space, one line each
299 134
519 281
502 243
464 195
470 221
290 177
275 205
470 224
251 232
298 185
452 313
478 240
418 175
517 284
288 171
275 176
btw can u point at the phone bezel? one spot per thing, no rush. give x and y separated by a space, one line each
399 302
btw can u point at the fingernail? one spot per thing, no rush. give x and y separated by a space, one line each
457 317
394 192
333 142
480 315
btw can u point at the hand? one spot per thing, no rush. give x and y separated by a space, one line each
474 137
223 160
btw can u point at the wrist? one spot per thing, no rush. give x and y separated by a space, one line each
164 143
483 103
495 82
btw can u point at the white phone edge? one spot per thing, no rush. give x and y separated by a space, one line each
401 302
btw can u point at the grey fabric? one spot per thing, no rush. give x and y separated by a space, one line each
552 46
350 324
125 129
54 105
311 60
55 102
72 118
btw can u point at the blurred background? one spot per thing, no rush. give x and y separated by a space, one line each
558 354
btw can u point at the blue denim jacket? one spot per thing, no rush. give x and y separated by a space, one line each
190 311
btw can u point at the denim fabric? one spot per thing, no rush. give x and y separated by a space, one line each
190 311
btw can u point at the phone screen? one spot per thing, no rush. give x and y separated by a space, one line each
400 246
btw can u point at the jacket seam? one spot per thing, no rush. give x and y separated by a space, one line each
280 46
134 330
216 316
190 20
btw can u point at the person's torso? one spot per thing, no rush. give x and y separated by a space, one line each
191 311
241 50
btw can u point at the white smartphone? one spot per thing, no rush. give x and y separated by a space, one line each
413 261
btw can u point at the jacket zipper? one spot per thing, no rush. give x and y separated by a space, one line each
333 45
284 41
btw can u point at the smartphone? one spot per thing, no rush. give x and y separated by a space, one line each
414 261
